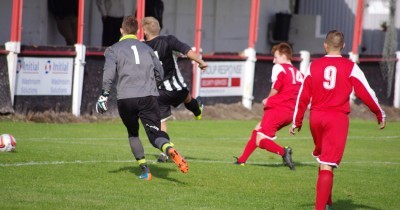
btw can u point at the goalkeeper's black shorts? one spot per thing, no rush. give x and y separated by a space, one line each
144 108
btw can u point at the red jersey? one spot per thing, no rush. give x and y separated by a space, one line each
287 80
328 84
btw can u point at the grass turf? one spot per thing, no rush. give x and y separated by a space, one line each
90 166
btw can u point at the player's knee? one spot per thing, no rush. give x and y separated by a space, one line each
163 134
157 134
326 167
259 138
133 134
188 98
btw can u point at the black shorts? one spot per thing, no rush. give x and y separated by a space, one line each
143 108
170 98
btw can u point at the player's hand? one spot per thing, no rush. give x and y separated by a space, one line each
203 66
292 129
264 101
101 105
382 125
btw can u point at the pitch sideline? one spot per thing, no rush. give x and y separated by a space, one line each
32 163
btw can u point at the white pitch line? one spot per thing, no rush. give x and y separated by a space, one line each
213 139
62 162
189 160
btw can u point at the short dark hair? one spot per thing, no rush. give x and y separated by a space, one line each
130 25
335 39
283 48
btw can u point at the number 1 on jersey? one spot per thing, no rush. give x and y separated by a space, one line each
136 54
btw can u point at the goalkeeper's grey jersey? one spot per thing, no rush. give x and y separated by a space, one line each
136 67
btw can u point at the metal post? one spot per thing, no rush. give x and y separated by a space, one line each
140 9
79 63
358 27
396 98
250 52
255 8
14 45
305 61
197 44
357 38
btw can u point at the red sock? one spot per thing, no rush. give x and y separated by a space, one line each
324 189
271 146
330 195
249 149
329 203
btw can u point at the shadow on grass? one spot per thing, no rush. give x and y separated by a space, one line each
348 204
156 171
345 204
184 156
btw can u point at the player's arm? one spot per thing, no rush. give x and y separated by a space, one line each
303 99
186 50
276 79
193 56
110 67
272 92
158 69
365 93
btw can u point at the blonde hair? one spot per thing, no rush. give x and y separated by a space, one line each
151 26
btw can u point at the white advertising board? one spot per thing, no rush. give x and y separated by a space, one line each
44 76
222 78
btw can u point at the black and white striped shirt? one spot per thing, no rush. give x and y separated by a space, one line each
168 48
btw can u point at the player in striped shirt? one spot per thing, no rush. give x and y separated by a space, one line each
278 107
328 84
173 90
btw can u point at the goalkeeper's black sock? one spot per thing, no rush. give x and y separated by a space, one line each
193 106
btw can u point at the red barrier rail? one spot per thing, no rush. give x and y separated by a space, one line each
5 52
367 60
48 53
94 53
205 56
271 58
377 59
224 57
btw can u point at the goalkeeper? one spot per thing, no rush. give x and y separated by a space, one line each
137 70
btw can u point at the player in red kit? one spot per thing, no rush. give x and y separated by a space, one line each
278 107
328 84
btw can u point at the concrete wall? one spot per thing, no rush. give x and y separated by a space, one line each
225 23
340 15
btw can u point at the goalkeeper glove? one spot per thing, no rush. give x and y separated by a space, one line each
101 105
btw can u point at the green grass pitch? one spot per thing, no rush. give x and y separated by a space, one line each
90 166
